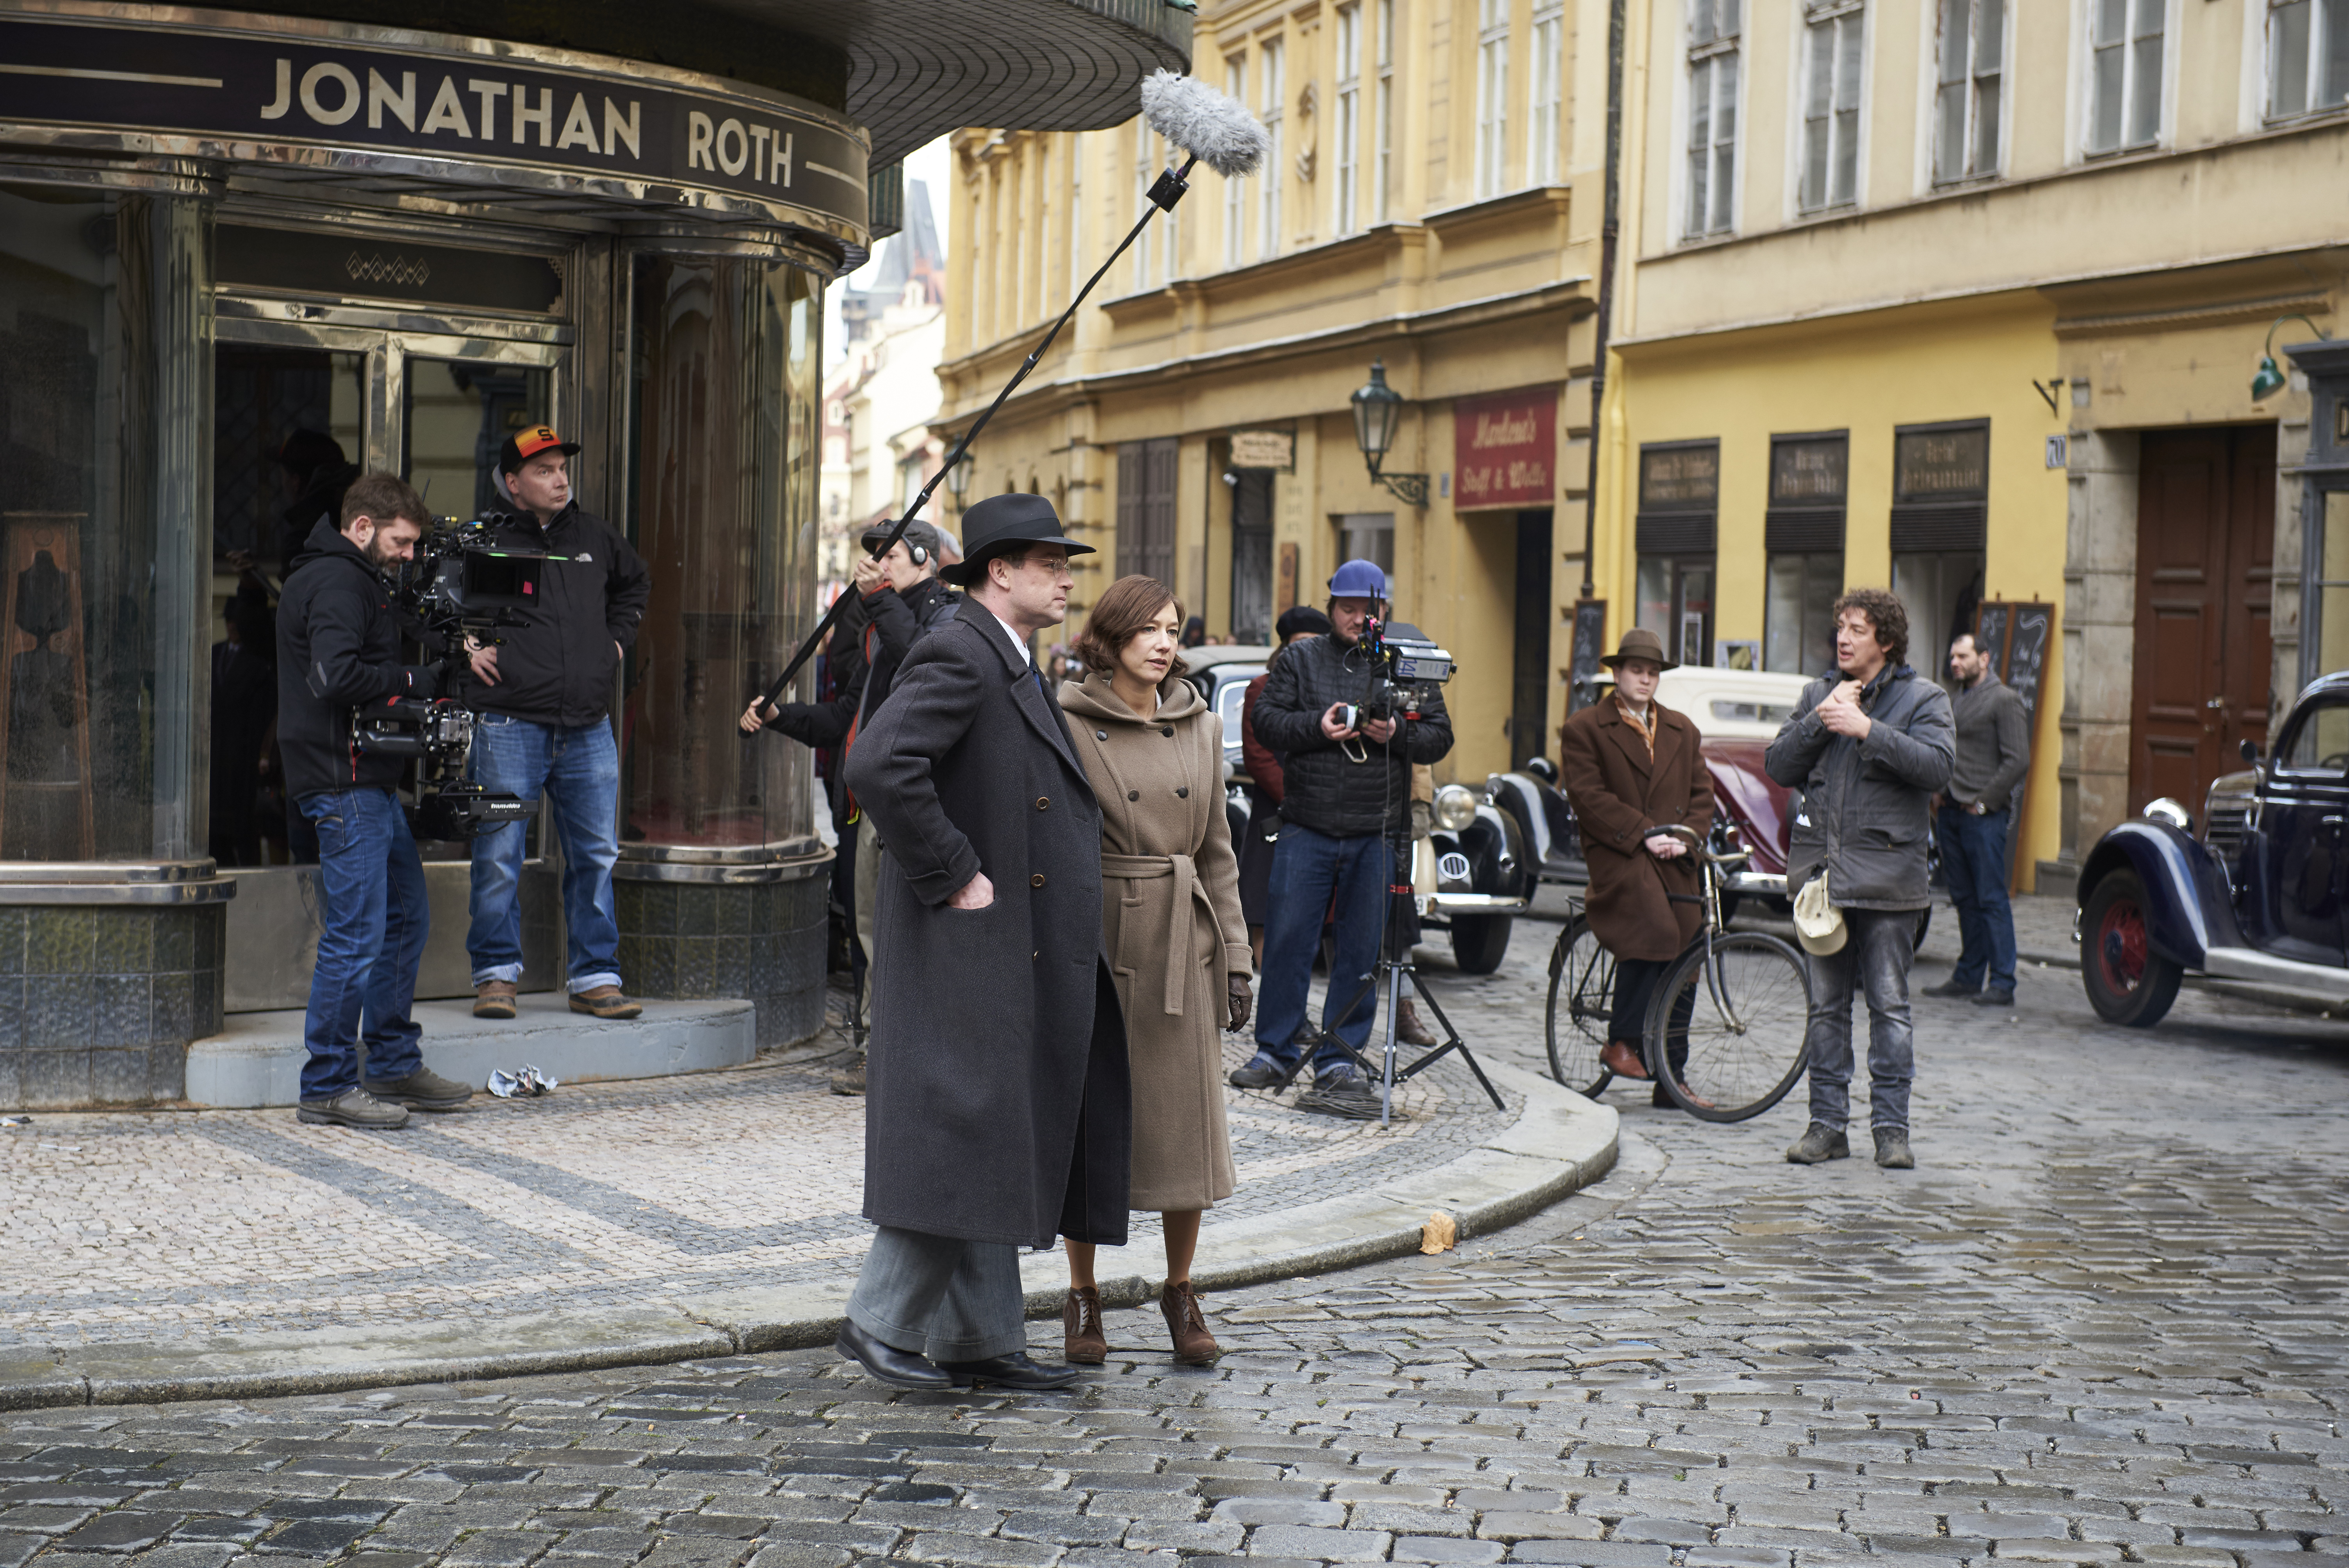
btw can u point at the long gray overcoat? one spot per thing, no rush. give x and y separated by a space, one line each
997 1103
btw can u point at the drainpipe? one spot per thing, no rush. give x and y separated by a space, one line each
1607 235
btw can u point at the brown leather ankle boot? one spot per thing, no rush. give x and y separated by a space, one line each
1084 1343
1193 1345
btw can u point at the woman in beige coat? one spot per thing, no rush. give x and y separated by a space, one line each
1170 923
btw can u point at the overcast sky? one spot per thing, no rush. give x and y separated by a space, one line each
930 166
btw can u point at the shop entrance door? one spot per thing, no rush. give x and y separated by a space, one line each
2205 556
301 407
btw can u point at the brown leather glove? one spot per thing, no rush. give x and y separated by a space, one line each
1240 1000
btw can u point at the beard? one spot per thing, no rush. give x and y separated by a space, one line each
378 555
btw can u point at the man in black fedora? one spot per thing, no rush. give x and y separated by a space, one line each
997 1110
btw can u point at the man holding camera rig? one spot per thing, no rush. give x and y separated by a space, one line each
543 692
1346 799
339 654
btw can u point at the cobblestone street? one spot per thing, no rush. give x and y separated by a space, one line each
2102 1322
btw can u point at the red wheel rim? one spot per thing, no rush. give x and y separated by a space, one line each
2121 946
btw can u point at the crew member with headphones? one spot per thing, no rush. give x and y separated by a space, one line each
903 598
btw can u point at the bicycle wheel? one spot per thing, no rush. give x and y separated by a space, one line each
1726 1039
1581 1000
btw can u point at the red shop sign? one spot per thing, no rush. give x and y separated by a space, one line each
1506 448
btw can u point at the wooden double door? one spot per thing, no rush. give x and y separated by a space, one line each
2205 576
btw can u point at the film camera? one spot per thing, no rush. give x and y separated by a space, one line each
464 583
1404 669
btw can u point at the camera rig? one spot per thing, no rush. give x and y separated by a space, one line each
1403 671
464 584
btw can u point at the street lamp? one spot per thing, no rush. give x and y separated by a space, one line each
1377 408
958 479
2268 380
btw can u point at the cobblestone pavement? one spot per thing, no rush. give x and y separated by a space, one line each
156 1224
2100 1323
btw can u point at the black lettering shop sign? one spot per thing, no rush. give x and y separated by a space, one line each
454 108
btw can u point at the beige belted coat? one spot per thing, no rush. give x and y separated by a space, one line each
1171 924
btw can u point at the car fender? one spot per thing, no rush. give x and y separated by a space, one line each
1495 851
2187 907
1521 799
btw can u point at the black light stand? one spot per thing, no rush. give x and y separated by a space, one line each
1388 975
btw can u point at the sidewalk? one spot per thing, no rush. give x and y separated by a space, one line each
192 1253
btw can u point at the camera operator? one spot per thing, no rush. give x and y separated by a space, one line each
338 652
1345 802
544 697
900 597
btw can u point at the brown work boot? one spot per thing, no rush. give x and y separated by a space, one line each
1193 1345
494 1000
1083 1341
1409 1029
605 1002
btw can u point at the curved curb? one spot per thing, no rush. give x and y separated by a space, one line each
1558 1144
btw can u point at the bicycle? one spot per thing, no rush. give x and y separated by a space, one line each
1724 1034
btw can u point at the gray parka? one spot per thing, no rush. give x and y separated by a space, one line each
1861 807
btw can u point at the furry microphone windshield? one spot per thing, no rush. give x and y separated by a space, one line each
1210 126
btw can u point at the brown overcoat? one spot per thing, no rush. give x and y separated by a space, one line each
1617 794
1171 925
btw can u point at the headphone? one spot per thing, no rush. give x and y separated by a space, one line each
914 552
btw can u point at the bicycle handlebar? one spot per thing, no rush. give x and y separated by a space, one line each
1696 842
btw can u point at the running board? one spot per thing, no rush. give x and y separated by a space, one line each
2320 983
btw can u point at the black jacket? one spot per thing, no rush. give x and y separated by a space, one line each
557 667
338 649
891 623
1323 788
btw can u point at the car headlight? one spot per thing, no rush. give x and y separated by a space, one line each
2168 811
1455 807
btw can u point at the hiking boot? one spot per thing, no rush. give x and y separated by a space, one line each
1083 1341
1892 1148
1950 989
1193 1345
1819 1142
850 1080
605 1002
422 1090
1261 1072
353 1108
1995 997
494 1000
1409 1029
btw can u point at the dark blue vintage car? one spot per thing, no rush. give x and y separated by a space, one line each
2262 897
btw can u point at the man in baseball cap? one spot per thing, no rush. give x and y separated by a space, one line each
524 444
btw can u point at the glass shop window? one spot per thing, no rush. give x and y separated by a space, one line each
1680 493
459 412
1802 532
99 621
1940 523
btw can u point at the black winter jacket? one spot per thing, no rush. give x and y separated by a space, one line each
337 650
891 623
1323 788
556 668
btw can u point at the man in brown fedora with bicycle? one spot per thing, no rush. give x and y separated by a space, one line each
1633 768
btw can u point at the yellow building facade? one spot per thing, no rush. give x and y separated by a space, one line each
1965 298
1431 202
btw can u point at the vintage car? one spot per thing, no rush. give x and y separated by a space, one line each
1736 712
1471 876
2258 898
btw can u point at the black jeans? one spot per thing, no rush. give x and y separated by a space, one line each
1636 980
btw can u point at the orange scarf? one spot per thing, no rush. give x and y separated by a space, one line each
1647 727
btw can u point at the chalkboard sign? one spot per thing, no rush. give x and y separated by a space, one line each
1589 643
2016 635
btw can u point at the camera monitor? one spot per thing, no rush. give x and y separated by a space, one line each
498 580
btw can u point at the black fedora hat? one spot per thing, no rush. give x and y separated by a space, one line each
1003 523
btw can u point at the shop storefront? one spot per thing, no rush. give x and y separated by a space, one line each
240 254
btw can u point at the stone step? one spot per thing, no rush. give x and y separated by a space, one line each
258 1060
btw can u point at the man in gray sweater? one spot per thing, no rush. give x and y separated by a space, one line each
1975 822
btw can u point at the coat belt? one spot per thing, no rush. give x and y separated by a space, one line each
1188 890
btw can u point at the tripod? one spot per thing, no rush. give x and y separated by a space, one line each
1388 974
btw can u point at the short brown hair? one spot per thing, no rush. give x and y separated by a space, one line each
384 497
1125 607
1886 613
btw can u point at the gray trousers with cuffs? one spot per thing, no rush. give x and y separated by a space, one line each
940 1297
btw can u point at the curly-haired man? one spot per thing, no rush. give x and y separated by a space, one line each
1865 753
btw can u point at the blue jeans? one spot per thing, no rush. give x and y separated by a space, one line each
1974 861
373 919
1306 868
579 770
1875 959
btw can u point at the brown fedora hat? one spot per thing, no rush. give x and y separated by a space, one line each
1640 643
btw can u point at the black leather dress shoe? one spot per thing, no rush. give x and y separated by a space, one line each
1950 989
1013 1371
888 1363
